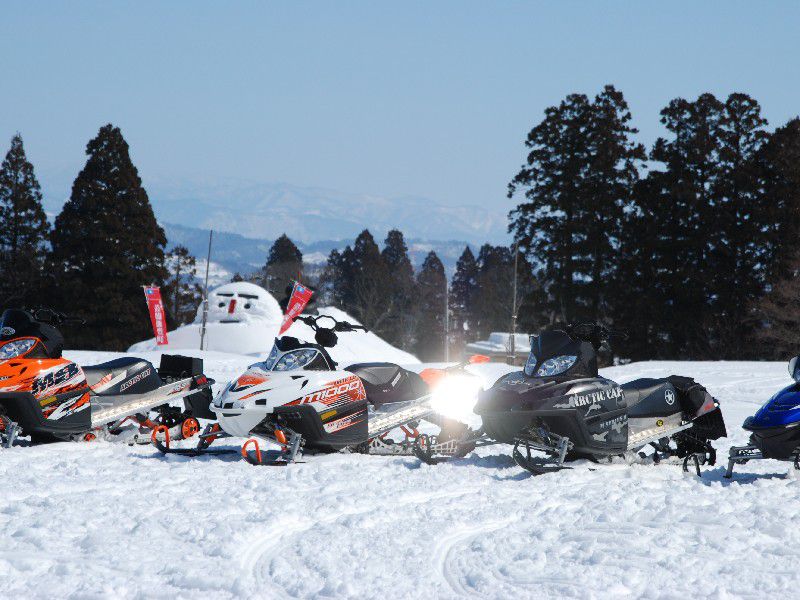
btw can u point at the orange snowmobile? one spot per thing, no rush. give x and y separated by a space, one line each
51 398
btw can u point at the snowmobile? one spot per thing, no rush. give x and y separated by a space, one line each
299 399
50 398
559 406
775 432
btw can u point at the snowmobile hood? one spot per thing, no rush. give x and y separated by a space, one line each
783 409
516 391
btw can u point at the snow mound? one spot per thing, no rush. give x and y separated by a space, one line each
244 318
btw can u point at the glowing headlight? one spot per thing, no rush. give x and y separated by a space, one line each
556 366
454 396
16 348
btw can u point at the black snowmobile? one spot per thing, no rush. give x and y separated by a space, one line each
559 406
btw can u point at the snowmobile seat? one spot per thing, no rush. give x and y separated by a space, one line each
639 389
126 375
387 382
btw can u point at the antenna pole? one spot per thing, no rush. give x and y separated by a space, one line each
446 320
512 347
205 291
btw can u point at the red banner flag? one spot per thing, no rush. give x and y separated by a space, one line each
300 297
153 296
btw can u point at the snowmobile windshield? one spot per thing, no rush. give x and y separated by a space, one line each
555 353
282 360
15 323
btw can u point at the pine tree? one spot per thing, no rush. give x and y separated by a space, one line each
106 246
284 266
370 281
23 230
779 312
577 181
432 286
182 294
463 288
400 292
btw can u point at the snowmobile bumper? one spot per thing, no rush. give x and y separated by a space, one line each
772 443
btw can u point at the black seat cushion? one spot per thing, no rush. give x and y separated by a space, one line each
128 374
387 382
638 389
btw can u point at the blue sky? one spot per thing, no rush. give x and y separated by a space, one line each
428 99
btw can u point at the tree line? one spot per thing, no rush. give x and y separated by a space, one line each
688 245
102 247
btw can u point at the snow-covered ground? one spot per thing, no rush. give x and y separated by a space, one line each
104 520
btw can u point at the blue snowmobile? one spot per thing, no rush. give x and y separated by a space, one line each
775 427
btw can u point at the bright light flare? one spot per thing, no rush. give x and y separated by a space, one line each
454 396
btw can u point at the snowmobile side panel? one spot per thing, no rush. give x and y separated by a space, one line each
322 432
25 410
780 442
648 398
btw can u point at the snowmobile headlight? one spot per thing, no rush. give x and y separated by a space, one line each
16 348
295 360
556 365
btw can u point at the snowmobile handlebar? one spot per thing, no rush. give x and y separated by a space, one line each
594 333
54 317
340 326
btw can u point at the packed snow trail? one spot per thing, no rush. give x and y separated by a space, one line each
106 520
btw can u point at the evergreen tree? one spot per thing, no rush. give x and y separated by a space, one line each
107 245
284 266
182 294
400 292
431 285
577 182
463 288
493 300
370 281
779 312
23 230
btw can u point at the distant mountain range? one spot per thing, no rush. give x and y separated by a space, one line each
266 210
248 216
231 252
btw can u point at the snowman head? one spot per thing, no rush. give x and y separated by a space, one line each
240 302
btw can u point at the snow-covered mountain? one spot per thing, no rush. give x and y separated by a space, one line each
306 214
232 252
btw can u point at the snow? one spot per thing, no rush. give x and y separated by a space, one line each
244 318
107 520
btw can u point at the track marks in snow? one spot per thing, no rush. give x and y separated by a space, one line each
264 549
446 553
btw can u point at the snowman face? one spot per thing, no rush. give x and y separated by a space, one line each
237 303
233 307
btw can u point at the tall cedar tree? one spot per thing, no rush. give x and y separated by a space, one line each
370 282
463 288
284 266
493 301
577 182
107 245
182 294
432 286
779 311
23 231
779 161
401 290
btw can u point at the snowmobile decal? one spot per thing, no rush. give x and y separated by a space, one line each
349 389
247 381
58 381
344 423
576 400
135 379
67 407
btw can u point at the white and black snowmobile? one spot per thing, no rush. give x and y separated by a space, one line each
300 400
50 398
559 407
